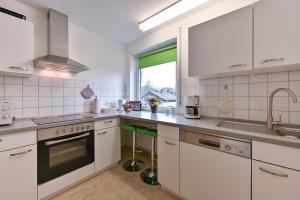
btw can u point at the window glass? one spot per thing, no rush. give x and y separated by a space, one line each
159 81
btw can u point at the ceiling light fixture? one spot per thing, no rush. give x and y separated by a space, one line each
170 12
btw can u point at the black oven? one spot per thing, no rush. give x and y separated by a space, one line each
64 149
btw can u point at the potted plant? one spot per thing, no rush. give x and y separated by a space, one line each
154 103
127 107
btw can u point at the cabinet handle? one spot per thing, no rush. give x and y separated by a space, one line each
107 122
18 68
102 133
238 65
273 173
20 153
170 143
272 60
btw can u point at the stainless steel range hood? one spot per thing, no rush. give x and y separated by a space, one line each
58 46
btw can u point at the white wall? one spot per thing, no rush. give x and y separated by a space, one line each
209 11
104 56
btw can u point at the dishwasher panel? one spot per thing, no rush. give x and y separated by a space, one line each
206 172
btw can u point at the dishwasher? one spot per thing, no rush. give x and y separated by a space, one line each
213 167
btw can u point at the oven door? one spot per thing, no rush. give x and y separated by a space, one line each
61 155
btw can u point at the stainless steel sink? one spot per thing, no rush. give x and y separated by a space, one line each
285 130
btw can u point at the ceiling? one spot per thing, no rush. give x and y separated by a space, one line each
115 19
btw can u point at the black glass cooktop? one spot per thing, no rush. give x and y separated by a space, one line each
58 119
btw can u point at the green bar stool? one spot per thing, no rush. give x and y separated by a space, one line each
149 175
132 165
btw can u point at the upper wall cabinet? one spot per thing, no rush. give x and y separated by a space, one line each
222 45
276 33
17 46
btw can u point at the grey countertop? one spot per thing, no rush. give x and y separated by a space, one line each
206 125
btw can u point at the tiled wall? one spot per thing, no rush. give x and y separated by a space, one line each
45 96
249 94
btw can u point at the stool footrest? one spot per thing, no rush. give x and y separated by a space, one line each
134 165
149 176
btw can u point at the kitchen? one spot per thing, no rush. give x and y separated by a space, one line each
131 100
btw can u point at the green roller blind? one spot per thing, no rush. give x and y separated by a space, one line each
157 57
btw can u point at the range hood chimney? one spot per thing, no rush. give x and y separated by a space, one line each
58 46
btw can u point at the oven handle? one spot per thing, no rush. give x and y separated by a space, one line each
65 140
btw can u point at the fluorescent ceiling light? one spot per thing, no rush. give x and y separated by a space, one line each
171 12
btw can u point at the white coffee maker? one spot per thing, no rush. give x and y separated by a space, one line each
192 108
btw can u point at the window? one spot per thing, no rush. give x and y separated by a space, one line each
158 77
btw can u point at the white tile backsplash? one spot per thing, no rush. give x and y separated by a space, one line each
13 90
44 96
44 81
44 101
45 91
30 91
259 89
250 94
30 102
57 91
278 76
57 82
241 90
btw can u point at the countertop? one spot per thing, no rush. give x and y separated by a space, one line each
205 125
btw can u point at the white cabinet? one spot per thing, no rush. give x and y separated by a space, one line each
107 147
274 182
213 175
276 33
168 163
17 46
275 172
168 157
19 173
222 45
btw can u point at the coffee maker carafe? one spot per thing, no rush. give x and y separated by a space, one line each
192 108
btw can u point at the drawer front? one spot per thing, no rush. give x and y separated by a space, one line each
275 154
106 123
168 131
274 183
14 140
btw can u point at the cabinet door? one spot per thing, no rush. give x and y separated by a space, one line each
273 182
213 175
168 163
107 147
18 173
222 45
16 50
276 33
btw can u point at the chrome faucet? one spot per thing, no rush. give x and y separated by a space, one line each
270 121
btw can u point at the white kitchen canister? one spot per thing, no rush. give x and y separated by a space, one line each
96 108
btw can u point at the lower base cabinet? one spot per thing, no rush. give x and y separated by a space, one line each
168 163
107 147
274 182
18 173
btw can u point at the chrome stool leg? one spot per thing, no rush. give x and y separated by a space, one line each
133 165
149 175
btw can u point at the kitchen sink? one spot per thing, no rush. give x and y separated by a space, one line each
285 130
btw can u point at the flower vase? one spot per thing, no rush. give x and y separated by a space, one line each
153 109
